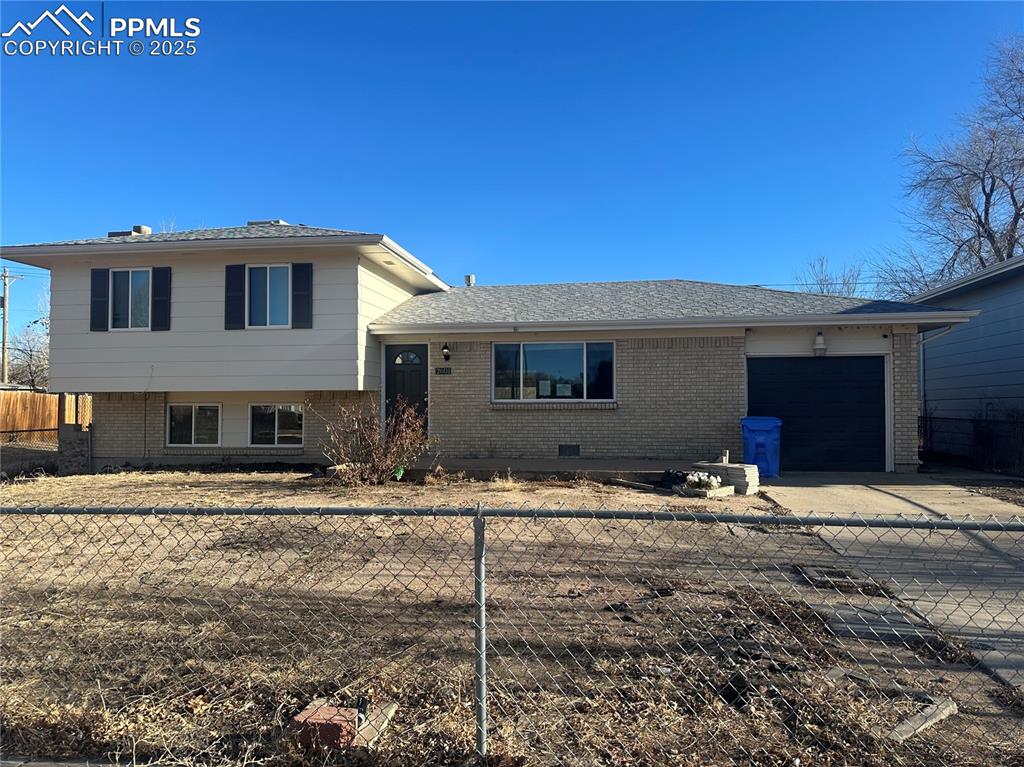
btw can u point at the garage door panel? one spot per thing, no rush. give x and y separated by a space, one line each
832 409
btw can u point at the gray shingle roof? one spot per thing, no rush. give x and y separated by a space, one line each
648 300
253 231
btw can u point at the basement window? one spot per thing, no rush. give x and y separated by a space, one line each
189 424
275 425
561 372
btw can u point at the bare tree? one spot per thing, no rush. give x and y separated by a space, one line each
1005 83
819 277
905 273
30 356
30 349
968 191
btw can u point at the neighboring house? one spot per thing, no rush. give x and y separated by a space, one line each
972 376
977 370
235 344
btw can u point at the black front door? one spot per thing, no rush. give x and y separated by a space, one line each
406 375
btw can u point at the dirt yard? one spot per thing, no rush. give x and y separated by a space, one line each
1009 490
194 488
194 639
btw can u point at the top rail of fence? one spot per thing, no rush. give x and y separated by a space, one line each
991 524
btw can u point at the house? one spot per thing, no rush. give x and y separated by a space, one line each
236 344
972 376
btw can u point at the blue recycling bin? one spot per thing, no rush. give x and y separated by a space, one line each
762 438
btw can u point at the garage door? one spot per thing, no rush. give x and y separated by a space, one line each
832 409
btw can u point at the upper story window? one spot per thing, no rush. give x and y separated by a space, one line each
269 289
130 298
268 296
554 371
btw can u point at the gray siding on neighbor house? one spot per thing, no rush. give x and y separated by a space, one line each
977 369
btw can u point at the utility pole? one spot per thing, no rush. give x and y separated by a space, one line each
5 304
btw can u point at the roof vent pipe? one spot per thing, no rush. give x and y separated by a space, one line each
470 280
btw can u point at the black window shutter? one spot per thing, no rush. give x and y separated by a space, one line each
302 295
99 301
234 297
161 314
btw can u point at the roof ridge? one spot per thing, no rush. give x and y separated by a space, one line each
238 232
634 301
669 280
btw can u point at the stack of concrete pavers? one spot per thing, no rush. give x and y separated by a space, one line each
742 476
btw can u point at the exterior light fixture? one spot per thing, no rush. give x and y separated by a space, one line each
819 346
446 352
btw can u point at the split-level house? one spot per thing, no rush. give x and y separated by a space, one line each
237 345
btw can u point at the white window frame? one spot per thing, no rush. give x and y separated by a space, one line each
194 405
556 400
110 292
268 326
276 405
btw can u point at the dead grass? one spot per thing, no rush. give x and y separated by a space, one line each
504 483
192 640
244 489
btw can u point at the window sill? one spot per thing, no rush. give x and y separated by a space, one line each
553 405
224 450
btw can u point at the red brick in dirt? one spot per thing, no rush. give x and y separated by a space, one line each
325 726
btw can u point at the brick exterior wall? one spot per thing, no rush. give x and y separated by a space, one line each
905 400
676 398
130 427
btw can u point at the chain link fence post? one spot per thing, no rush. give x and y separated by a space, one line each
480 629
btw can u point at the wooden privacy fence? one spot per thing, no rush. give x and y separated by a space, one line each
26 410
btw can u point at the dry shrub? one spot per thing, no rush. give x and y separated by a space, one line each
504 483
439 476
361 453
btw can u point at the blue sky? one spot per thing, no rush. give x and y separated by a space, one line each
522 142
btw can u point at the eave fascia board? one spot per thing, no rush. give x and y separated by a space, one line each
412 262
965 283
12 252
17 253
916 318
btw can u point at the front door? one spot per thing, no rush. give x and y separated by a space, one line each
406 375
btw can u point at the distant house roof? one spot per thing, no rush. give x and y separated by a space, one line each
989 274
253 230
647 303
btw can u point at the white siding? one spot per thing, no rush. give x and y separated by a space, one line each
197 354
378 294
792 342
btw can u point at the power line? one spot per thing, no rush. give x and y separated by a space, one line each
30 275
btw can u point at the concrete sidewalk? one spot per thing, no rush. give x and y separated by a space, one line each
968 585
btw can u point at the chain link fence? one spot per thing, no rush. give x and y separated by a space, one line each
28 450
512 636
979 443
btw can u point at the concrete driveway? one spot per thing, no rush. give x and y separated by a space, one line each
969 585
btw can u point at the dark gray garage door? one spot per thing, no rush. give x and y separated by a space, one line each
832 409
